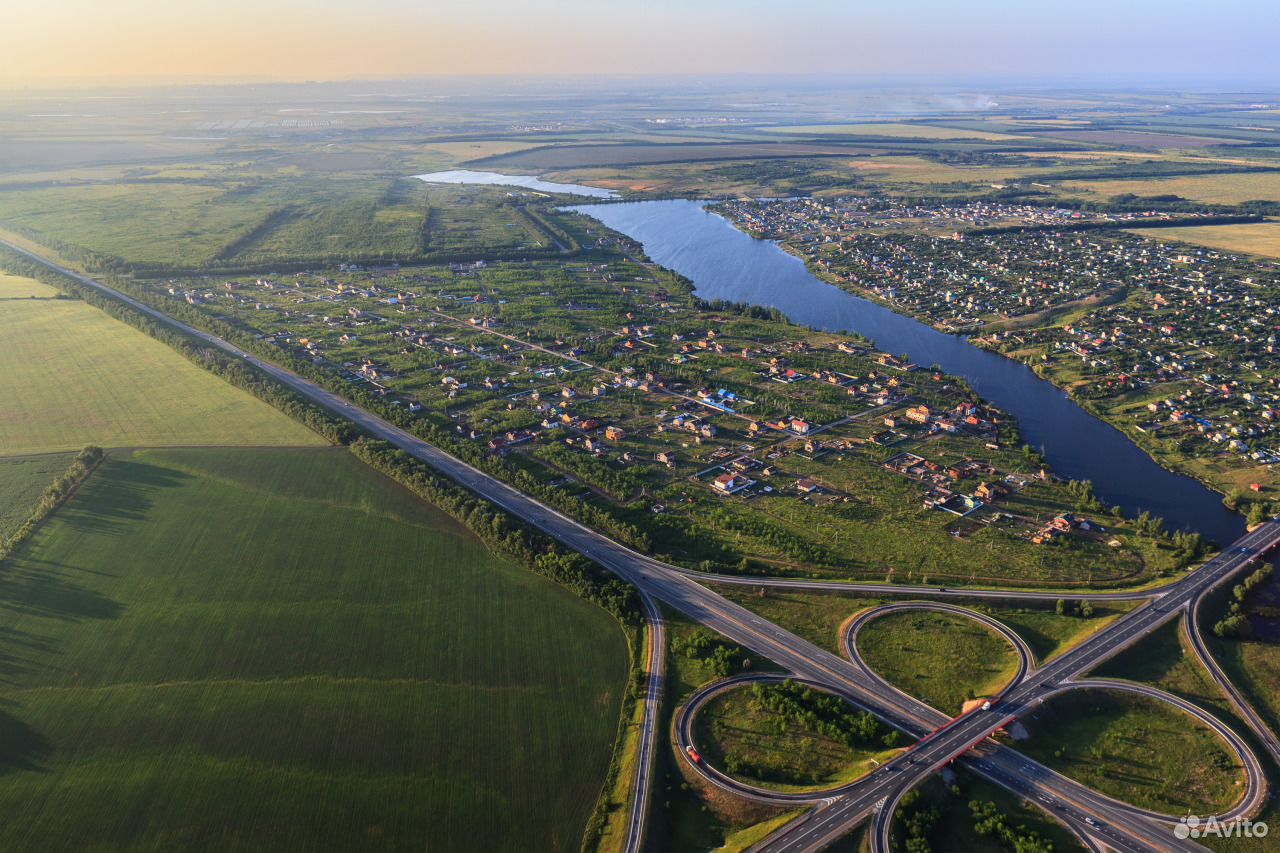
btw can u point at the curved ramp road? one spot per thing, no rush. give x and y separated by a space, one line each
1122 828
1026 658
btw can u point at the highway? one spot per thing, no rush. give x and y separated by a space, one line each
1120 827
641 784
958 736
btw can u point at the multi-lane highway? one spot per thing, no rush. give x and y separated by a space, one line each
656 664
1121 828
958 736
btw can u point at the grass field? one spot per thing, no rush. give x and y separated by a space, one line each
70 375
22 480
1216 189
918 170
1161 659
1136 749
1251 238
21 287
937 657
1049 634
741 737
279 649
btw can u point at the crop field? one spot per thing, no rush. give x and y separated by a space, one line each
918 170
1136 749
22 480
21 287
321 662
70 375
1134 138
937 657
568 156
906 131
1251 238
1215 189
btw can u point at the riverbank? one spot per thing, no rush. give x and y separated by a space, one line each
724 263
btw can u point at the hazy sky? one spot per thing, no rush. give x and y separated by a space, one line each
52 41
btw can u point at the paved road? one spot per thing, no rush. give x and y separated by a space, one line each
1237 700
930 591
964 733
803 659
641 784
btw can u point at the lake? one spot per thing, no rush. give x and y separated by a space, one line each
726 263
528 182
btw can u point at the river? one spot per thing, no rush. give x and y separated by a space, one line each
726 263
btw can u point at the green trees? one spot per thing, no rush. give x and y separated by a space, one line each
1235 623
988 820
57 492
719 655
828 715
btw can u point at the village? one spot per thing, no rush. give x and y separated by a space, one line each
959 267
734 440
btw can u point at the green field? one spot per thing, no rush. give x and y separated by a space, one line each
1136 749
23 480
70 375
279 649
937 657
740 736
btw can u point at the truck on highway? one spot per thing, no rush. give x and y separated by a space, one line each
693 754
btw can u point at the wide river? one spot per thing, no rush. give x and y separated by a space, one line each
726 263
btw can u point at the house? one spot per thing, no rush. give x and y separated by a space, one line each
920 414
728 483
988 492
799 427
667 458
614 433
805 486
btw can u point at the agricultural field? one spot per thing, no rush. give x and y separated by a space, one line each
635 154
1213 189
939 658
71 375
23 480
323 661
1250 238
905 131
1138 750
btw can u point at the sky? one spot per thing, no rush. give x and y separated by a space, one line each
59 42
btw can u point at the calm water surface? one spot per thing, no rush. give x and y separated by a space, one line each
528 182
725 263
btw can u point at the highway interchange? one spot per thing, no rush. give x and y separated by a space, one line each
1093 817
